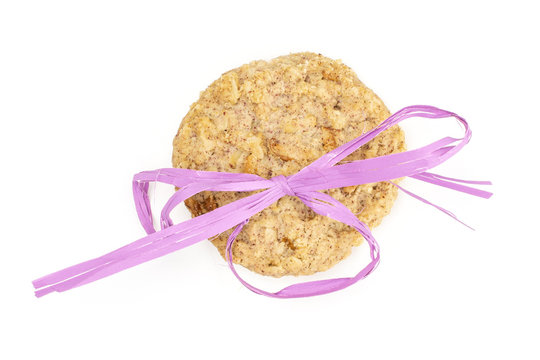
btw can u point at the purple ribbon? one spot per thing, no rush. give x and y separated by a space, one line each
320 175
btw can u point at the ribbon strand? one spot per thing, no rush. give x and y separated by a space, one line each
307 185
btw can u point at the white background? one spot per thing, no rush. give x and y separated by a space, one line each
93 92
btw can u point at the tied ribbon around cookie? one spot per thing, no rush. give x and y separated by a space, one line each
322 174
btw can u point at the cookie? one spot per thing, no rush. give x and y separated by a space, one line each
274 118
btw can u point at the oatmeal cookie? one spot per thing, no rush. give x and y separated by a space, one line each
274 118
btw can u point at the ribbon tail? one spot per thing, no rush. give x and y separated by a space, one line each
69 278
452 183
447 212
157 244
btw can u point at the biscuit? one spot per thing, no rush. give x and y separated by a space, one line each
274 118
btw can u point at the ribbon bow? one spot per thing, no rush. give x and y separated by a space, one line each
320 175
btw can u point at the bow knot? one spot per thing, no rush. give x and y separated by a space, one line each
283 183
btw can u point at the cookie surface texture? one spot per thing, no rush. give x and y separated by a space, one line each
274 118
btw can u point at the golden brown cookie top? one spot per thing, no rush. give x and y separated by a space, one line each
274 118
